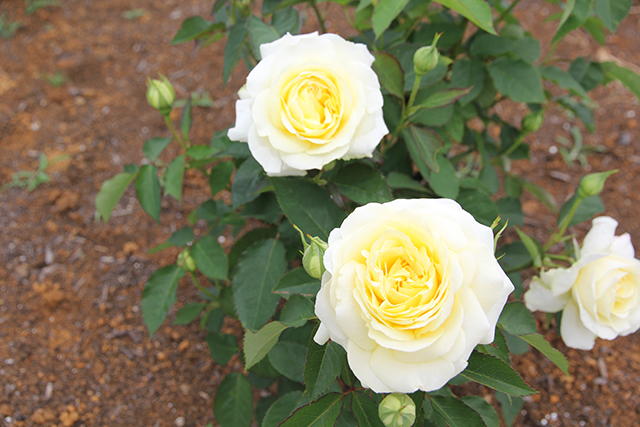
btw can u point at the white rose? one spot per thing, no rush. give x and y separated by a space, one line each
311 99
411 287
599 293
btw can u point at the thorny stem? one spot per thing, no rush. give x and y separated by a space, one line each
174 133
506 12
202 288
323 29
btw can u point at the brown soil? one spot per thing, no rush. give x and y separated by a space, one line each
73 348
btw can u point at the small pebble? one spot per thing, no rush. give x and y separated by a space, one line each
179 422
625 138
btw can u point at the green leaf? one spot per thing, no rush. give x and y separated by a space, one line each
148 190
246 241
281 409
189 313
110 193
541 194
389 73
154 146
297 311
221 346
476 11
627 77
468 73
596 29
588 74
478 204
185 119
510 406
363 184
210 258
401 181
384 13
612 12
445 182
510 209
568 8
534 248
265 208
486 45
498 348
237 38
527 48
260 33
366 410
444 98
517 79
257 345
494 373
423 146
321 413
286 20
308 206
159 295
195 27
201 152
247 182
545 348
517 319
219 177
288 359
586 210
324 363
486 411
233 405
173 178
259 269
564 80
455 412
297 282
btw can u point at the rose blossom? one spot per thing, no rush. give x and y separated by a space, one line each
311 99
410 288
599 293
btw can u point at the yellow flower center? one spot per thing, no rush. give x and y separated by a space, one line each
405 283
312 105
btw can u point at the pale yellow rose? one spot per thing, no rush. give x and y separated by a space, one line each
410 288
311 99
599 294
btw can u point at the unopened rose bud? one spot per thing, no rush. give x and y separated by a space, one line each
397 410
186 261
512 31
161 94
312 258
592 184
426 58
533 121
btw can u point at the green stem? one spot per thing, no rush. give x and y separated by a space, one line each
555 237
514 147
506 12
202 288
407 111
323 29
174 133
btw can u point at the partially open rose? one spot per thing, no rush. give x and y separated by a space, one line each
599 293
410 288
311 99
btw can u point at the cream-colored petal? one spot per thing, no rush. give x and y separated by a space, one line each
574 333
540 298
600 237
240 132
359 362
406 377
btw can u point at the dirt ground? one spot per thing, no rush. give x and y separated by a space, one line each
73 347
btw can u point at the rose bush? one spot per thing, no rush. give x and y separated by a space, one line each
599 294
410 288
311 99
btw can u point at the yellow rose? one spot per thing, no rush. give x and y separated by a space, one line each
311 99
410 288
599 294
